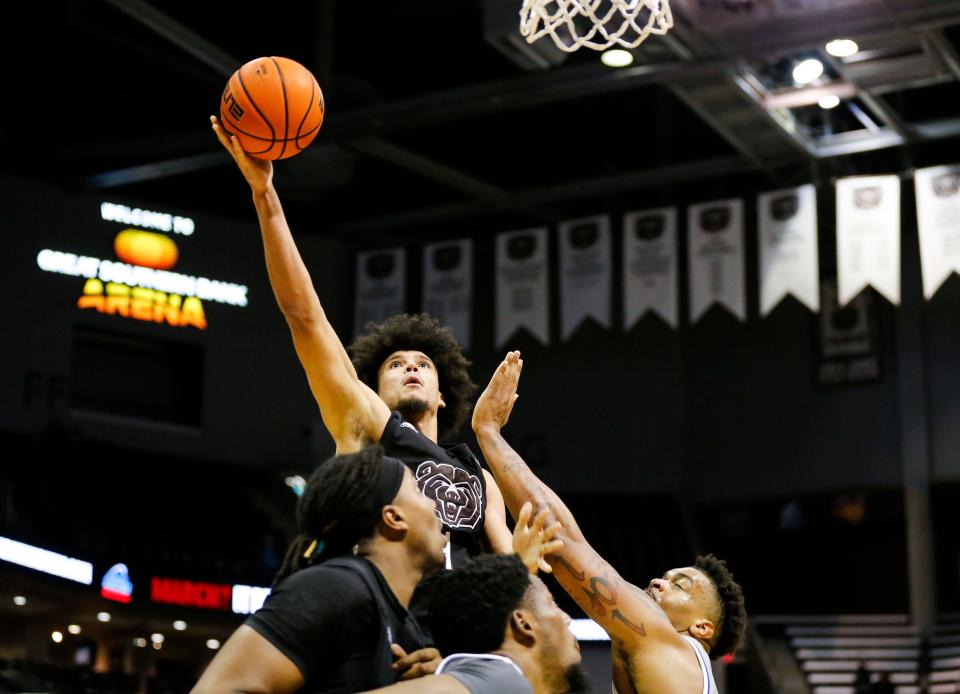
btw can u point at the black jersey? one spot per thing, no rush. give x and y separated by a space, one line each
452 477
335 622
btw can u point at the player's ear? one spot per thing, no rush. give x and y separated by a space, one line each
702 629
394 518
521 627
441 403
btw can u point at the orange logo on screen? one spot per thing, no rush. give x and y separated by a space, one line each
146 249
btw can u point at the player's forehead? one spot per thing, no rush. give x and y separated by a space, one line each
404 354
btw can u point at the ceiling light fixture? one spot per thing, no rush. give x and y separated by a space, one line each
56 636
829 101
842 48
616 57
19 600
74 629
213 644
103 616
807 71
180 625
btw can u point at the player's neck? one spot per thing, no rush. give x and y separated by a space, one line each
526 660
401 571
426 424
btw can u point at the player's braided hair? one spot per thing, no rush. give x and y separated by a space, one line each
733 614
337 509
405 332
471 605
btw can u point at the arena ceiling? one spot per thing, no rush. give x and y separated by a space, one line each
441 119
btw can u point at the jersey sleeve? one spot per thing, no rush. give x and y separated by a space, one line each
306 616
483 676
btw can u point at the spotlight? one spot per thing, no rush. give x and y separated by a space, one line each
56 636
140 642
74 629
807 71
829 101
156 638
180 625
842 48
616 57
19 600
213 644
103 616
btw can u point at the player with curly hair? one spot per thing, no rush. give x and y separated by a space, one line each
406 388
663 636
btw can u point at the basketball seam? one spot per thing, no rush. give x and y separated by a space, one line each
253 103
306 113
268 139
253 137
286 109
228 120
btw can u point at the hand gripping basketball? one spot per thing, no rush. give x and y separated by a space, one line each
258 172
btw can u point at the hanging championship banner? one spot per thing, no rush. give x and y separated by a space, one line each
448 285
522 284
716 257
788 247
650 265
584 273
381 284
849 338
938 219
868 236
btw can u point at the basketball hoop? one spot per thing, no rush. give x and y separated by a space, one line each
596 24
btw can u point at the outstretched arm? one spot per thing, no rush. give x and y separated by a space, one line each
623 611
350 410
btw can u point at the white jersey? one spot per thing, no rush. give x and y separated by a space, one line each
709 684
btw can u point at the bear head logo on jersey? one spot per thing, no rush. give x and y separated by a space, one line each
457 493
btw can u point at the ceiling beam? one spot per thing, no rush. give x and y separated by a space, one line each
178 34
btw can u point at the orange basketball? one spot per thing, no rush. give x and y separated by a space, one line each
274 106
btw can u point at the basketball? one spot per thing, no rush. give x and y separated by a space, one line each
274 106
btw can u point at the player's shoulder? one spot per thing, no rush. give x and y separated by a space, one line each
330 578
668 663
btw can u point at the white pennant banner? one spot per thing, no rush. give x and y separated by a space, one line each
448 285
522 284
381 284
650 265
584 273
788 247
868 236
716 257
938 219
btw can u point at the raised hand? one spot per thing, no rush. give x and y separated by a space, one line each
532 542
496 402
258 172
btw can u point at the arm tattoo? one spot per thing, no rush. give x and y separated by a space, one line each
603 595
579 575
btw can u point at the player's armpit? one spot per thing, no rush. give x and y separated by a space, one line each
351 411
432 684
626 613
249 664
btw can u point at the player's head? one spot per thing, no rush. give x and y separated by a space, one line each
360 499
492 603
705 602
417 367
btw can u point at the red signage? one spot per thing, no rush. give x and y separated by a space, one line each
174 591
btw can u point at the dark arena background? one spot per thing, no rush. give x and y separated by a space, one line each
708 368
